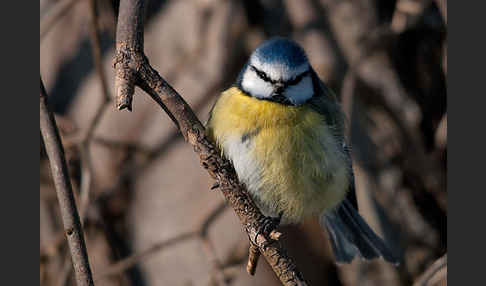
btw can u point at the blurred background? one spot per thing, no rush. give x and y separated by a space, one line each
149 215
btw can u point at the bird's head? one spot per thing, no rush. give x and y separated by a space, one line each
278 70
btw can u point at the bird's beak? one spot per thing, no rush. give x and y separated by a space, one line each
278 88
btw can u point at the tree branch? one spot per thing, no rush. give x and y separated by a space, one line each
132 68
69 213
201 233
435 273
85 144
253 256
124 264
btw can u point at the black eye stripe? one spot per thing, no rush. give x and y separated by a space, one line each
297 79
262 74
266 78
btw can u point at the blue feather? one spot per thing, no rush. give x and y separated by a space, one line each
281 50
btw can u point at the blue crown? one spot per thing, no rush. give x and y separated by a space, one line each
281 50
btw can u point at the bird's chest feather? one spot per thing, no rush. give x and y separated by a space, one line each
287 156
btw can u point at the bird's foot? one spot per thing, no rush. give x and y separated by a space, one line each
269 225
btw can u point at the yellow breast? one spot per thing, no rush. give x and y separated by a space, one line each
286 155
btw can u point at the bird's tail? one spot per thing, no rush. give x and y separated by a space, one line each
351 236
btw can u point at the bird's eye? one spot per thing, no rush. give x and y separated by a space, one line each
261 74
298 78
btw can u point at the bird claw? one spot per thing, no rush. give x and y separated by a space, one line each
215 186
269 224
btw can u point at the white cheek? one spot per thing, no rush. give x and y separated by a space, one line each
255 85
301 92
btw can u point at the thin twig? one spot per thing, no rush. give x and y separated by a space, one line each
123 145
132 68
208 247
69 212
127 263
216 268
199 233
87 166
96 49
253 256
86 163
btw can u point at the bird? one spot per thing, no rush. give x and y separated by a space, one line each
283 130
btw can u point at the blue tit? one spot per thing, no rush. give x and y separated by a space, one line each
283 130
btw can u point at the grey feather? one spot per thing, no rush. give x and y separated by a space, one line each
351 236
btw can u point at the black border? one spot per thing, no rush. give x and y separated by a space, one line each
466 119
20 144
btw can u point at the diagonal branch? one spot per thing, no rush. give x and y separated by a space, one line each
69 212
133 69
129 262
